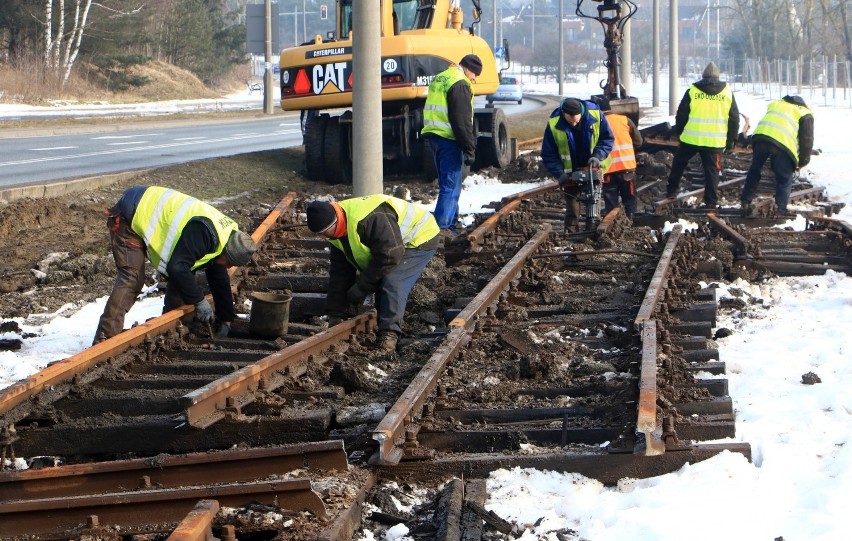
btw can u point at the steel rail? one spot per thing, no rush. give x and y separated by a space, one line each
211 403
66 369
401 424
491 292
171 471
665 203
510 204
741 245
659 281
52 518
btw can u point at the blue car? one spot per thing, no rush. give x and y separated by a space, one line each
510 89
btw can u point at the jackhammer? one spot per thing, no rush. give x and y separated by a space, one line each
589 182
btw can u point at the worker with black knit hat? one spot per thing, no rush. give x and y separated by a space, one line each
577 137
180 235
448 132
381 245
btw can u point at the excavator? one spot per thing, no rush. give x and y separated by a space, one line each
419 39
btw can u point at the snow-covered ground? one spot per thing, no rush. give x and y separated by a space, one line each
800 434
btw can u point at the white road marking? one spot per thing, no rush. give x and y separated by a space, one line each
134 149
52 148
126 136
127 143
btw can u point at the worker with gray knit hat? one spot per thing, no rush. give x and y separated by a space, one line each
448 133
707 122
380 244
180 235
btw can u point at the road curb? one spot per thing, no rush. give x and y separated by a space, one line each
65 187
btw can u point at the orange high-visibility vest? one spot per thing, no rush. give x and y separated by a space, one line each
622 155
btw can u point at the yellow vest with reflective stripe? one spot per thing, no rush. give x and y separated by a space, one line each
708 118
416 225
161 216
561 139
781 122
436 114
622 157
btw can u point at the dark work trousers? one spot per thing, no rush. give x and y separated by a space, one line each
392 297
572 208
449 160
620 184
782 166
128 251
711 161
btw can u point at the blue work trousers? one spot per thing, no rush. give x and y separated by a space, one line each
448 162
392 297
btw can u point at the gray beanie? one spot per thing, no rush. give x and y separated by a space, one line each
239 248
711 71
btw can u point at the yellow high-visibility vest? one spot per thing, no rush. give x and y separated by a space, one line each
161 216
436 114
416 225
708 118
781 122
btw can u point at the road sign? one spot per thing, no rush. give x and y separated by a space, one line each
256 28
499 52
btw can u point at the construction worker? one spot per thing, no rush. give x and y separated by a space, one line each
577 136
785 136
707 122
620 177
381 245
180 235
448 130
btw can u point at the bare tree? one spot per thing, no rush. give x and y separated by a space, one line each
61 46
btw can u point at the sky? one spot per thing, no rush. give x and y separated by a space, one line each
800 477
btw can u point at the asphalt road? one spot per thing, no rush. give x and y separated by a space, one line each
27 160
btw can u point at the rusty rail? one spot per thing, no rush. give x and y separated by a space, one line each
198 524
170 471
211 403
66 369
400 426
509 205
665 203
657 288
52 517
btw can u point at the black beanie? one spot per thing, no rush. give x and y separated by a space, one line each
572 106
321 216
473 63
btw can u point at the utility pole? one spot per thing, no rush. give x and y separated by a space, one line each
655 74
626 57
673 62
267 76
367 154
561 48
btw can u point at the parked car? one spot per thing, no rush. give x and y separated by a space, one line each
510 89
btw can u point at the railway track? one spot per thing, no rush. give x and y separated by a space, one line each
588 352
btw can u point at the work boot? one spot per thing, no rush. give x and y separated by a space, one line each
386 341
746 209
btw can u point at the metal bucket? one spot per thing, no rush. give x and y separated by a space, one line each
270 313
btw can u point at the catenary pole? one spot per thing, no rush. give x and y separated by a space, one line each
366 99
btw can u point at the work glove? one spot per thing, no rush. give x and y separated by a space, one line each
469 158
564 178
203 311
224 330
354 295
594 163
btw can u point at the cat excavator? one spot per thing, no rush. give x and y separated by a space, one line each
419 39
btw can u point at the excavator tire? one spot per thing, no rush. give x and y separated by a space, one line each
495 148
338 164
315 147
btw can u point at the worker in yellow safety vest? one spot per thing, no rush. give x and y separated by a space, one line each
180 235
785 136
707 122
380 244
577 137
620 178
